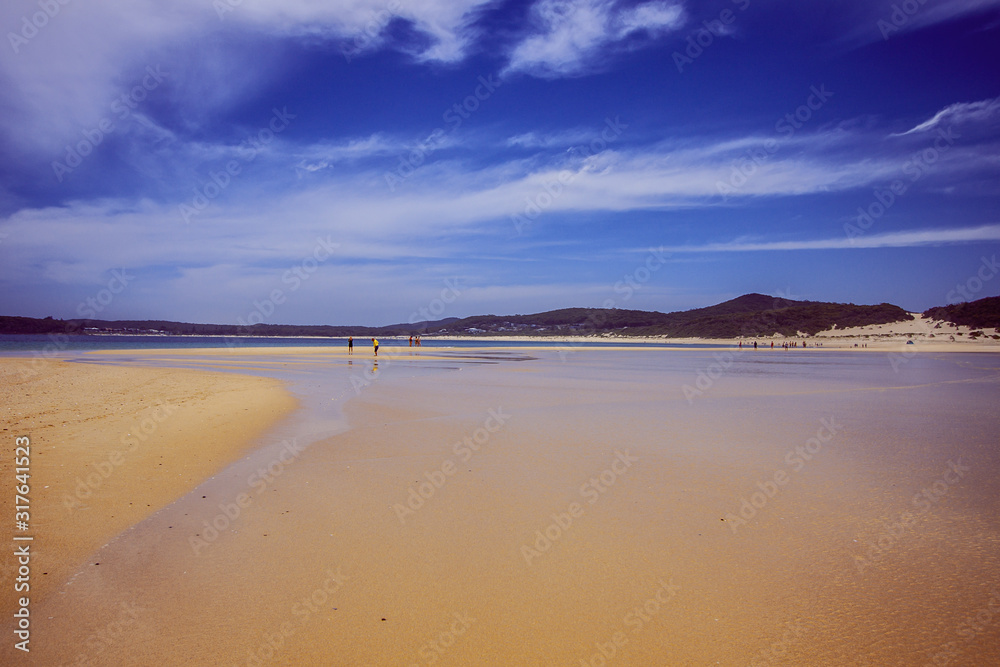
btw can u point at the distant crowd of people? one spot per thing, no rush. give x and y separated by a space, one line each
785 344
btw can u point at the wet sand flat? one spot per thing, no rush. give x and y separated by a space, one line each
643 507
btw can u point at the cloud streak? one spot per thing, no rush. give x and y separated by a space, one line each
983 112
902 239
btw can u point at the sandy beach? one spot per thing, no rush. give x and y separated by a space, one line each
110 446
523 507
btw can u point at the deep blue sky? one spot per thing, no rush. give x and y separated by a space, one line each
325 222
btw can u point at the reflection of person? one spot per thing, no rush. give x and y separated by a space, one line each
375 344
350 345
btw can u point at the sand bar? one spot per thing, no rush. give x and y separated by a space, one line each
112 445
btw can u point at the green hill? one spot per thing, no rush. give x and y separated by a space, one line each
748 315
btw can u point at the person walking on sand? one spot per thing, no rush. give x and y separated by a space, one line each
411 341
350 345
375 344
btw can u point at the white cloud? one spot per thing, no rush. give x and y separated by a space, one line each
561 139
981 113
572 33
320 156
63 79
447 23
653 17
905 239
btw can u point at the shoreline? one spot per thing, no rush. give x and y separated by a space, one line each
927 335
112 445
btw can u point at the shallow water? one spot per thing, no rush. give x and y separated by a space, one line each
787 507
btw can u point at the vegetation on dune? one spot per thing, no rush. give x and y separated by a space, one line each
980 314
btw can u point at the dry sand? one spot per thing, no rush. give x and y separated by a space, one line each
110 446
582 512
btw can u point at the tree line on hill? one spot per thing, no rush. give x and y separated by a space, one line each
981 314
749 315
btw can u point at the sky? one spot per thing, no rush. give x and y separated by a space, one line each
372 162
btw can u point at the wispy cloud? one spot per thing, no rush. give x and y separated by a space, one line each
319 156
570 34
560 139
904 239
980 113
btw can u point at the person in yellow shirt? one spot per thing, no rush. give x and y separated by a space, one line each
375 344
